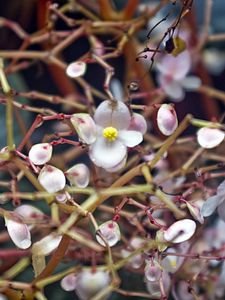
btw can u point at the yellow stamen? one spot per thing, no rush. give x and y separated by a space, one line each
110 133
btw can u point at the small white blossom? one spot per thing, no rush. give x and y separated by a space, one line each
76 69
78 175
40 154
52 179
180 231
167 119
209 138
111 233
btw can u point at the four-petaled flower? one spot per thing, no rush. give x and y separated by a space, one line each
109 133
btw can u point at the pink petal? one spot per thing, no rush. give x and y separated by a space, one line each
130 138
167 119
107 154
112 113
172 88
85 127
138 123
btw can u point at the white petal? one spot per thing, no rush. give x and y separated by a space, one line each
89 283
209 138
130 138
52 179
112 113
167 119
172 88
221 189
175 67
111 232
118 167
29 211
85 127
76 69
107 154
69 282
78 175
138 123
40 154
221 210
18 231
117 89
191 83
154 288
46 245
152 271
180 231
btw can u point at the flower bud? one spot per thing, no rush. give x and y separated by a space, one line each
89 283
18 231
78 175
40 154
46 245
111 233
152 271
68 283
29 212
180 231
154 287
85 127
52 179
209 138
76 69
167 119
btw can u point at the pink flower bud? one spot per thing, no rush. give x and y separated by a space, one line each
90 283
76 69
180 231
85 127
167 119
138 123
52 179
68 283
111 232
78 175
40 154
18 231
153 271
209 137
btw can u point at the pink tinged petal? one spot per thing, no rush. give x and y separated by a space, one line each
52 179
63 197
69 282
152 271
112 113
138 123
175 67
40 154
191 83
180 231
167 119
195 212
154 288
29 211
107 154
89 283
78 175
118 167
209 138
85 127
18 231
172 88
46 245
76 69
130 138
111 233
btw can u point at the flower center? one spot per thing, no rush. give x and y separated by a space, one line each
110 133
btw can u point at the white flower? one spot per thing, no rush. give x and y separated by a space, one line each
89 283
18 231
167 119
110 136
111 233
52 179
216 201
173 75
40 154
180 231
209 138
76 69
